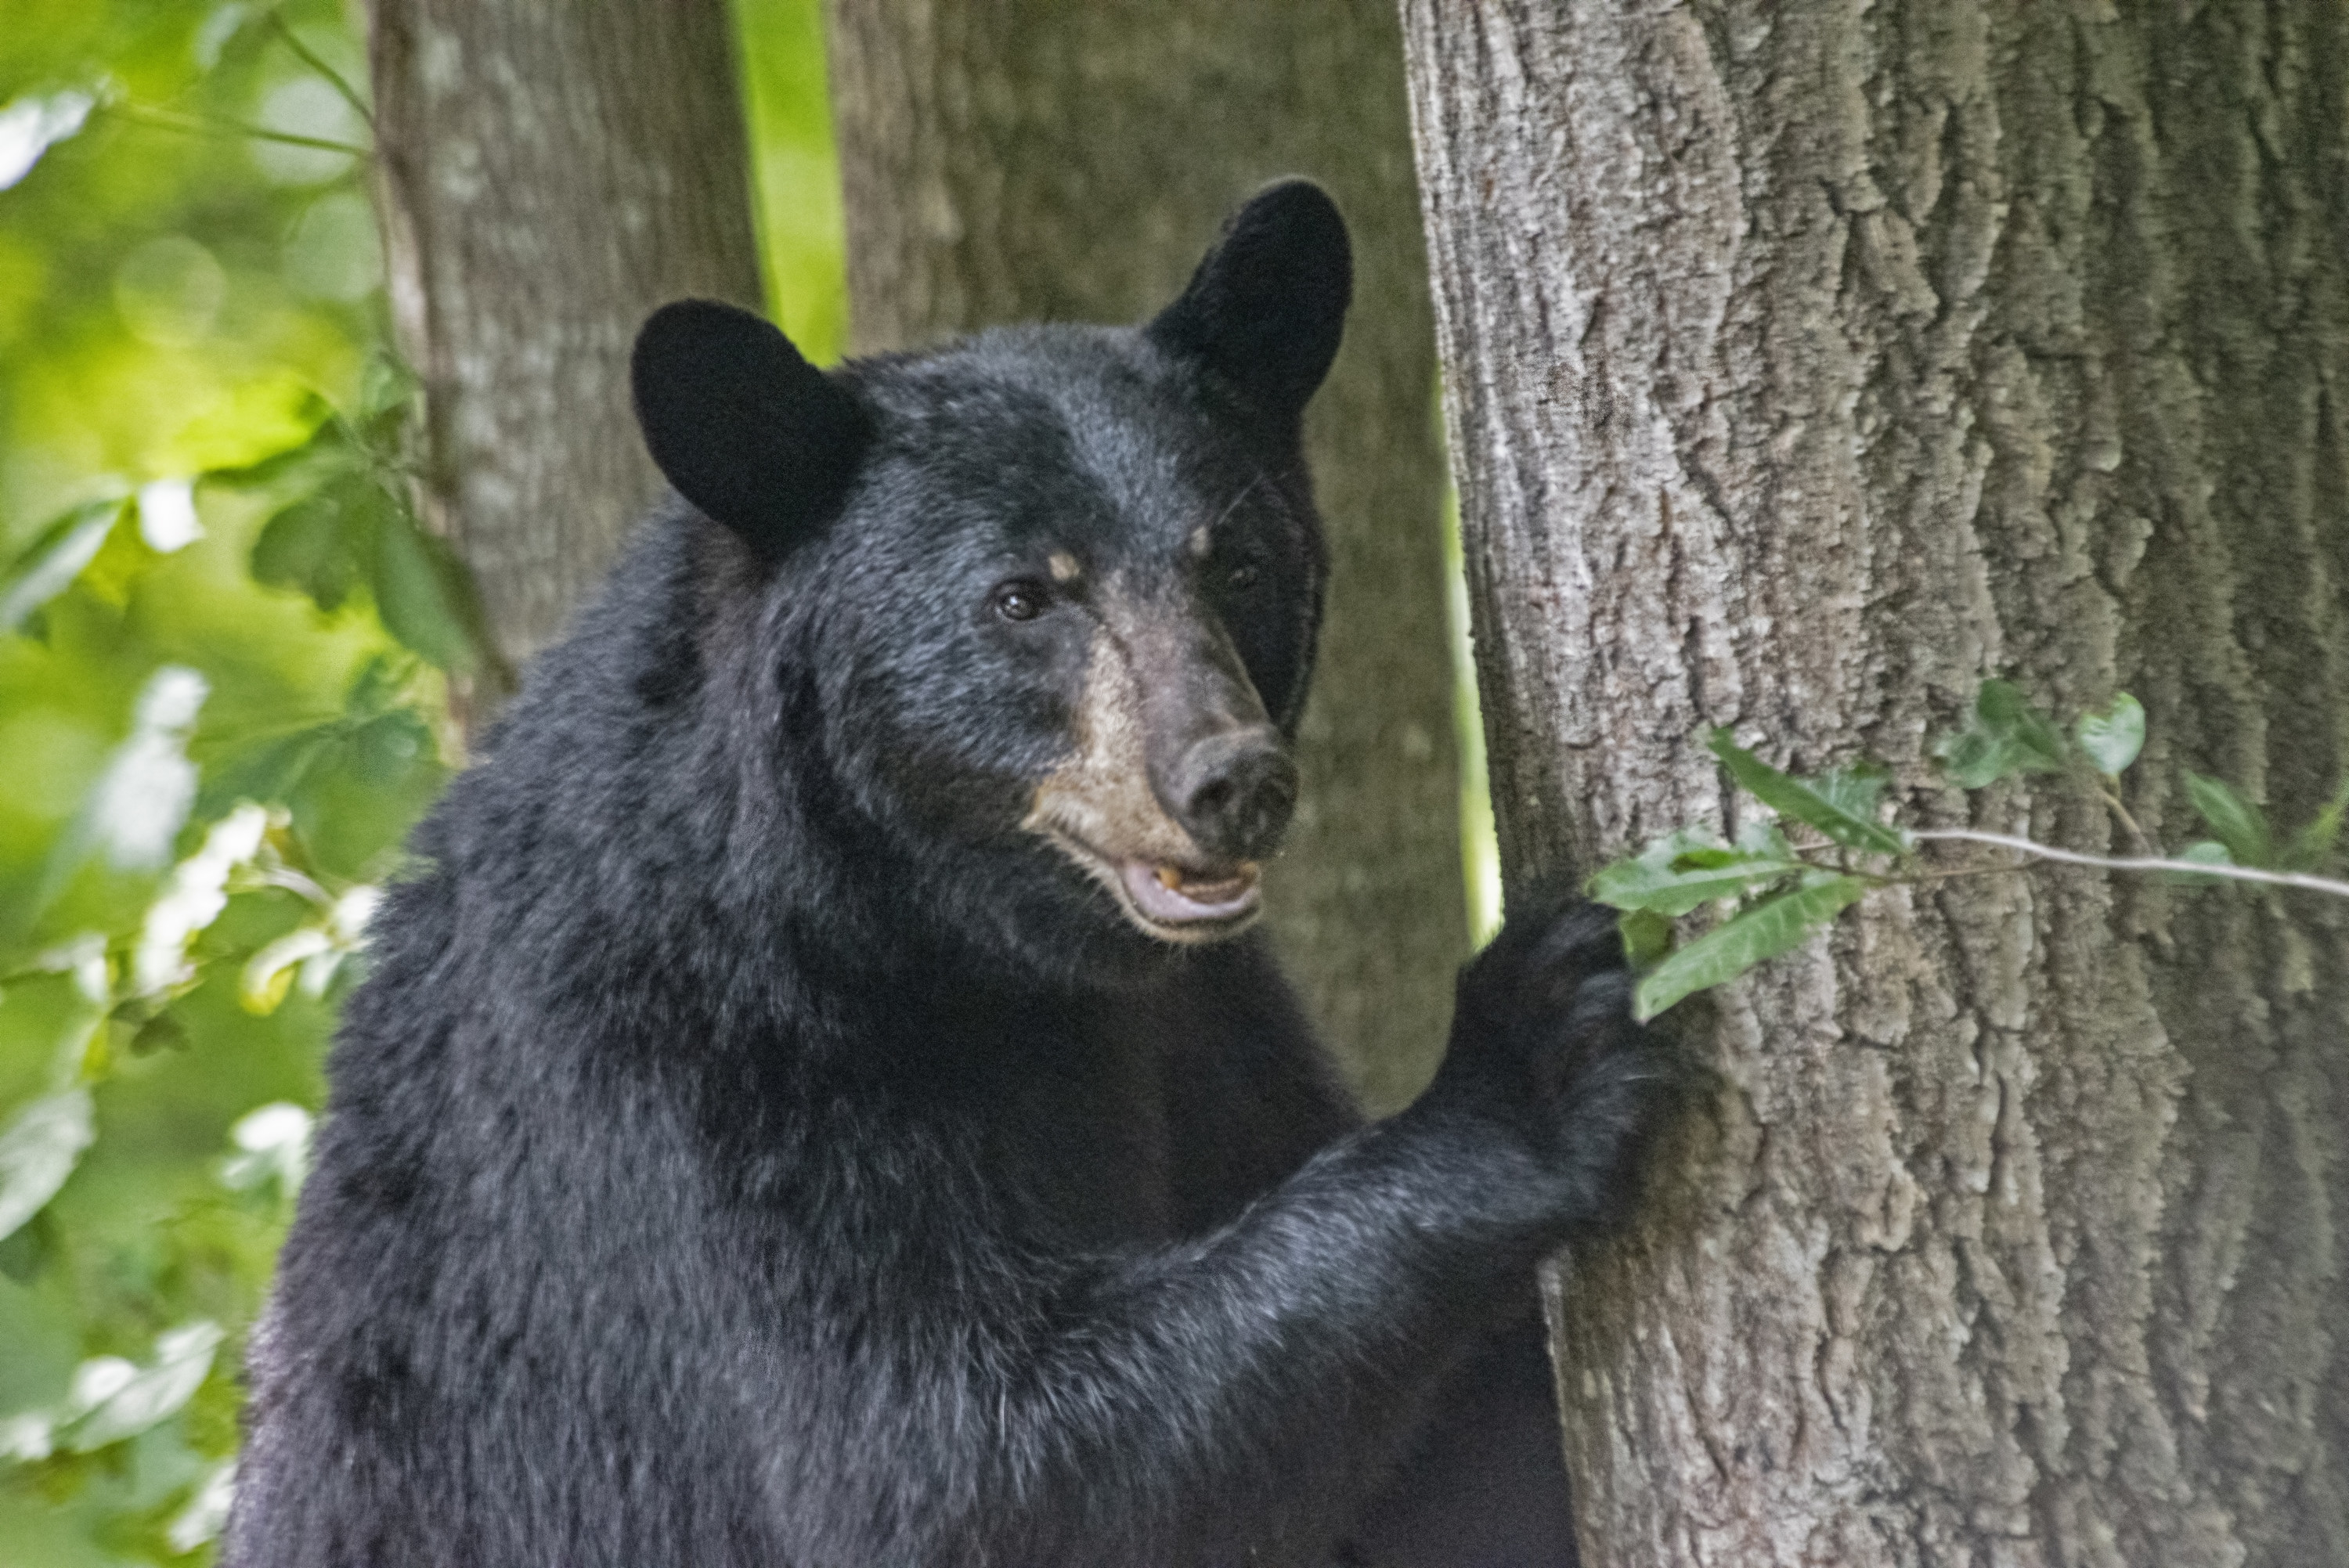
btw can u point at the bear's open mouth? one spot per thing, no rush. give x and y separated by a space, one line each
1177 896
1172 903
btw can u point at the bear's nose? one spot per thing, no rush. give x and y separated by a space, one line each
1234 792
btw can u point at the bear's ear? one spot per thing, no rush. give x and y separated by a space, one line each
745 428
1267 307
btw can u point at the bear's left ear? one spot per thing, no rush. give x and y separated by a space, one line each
743 427
1267 305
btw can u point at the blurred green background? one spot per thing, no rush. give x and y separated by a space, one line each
223 642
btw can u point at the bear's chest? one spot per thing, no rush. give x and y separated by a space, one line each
1075 1143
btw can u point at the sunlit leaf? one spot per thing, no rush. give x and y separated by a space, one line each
1684 871
2313 844
269 974
206 1515
47 566
113 1400
273 1144
167 516
31 124
138 805
2240 826
328 451
2113 739
1776 924
193 897
1841 805
38 1150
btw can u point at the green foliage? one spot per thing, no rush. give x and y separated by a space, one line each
2005 737
798 212
1843 804
344 524
1686 869
223 637
1772 894
2111 739
2241 827
175 303
2313 844
1765 928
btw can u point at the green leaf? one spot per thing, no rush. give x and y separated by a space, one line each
46 567
424 596
1685 869
385 748
1776 924
2313 844
120 1400
163 1032
387 389
2240 825
2005 737
2001 706
327 445
266 772
1647 936
2113 739
321 543
38 1150
1854 791
1842 805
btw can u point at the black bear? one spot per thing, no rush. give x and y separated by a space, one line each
815 1103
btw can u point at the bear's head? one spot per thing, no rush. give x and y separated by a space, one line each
1040 604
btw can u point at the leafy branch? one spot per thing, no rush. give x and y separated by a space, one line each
1777 894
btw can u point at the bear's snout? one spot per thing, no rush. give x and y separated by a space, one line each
1233 791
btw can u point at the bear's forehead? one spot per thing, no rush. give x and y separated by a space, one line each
1082 436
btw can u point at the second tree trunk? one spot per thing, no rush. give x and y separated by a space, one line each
1069 162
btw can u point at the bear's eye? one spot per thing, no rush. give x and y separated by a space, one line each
1021 601
1242 576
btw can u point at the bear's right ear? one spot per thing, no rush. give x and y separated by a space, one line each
743 427
1267 305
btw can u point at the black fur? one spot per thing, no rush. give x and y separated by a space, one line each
752 1148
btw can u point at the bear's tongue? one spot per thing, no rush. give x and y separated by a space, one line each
1175 897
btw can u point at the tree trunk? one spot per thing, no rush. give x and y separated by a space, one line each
1806 364
548 175
1070 159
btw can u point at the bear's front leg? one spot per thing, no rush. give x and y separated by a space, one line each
1242 1397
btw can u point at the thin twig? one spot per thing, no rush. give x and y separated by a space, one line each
2107 862
2144 840
219 125
303 52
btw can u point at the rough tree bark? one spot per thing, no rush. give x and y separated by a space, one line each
1068 159
548 175
1804 365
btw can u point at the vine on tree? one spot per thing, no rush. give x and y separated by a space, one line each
1777 892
